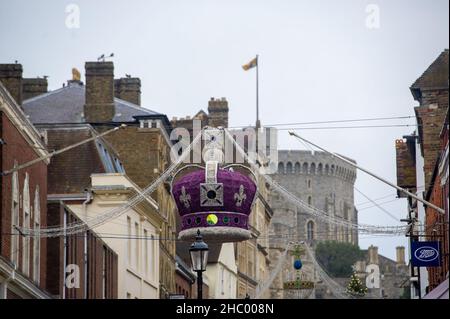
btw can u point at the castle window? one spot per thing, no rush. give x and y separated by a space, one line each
289 168
310 230
313 168
305 168
319 169
327 169
309 200
297 168
332 170
309 183
280 168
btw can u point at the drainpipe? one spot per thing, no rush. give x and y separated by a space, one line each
85 266
87 201
64 255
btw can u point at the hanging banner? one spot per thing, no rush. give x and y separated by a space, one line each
425 254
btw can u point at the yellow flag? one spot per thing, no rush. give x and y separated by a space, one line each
250 64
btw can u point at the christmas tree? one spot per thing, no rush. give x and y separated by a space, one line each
355 286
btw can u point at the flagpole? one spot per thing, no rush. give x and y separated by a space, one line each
257 94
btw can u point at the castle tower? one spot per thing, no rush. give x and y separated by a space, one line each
218 112
99 104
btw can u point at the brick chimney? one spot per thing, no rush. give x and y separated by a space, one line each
99 103
400 255
33 87
11 77
218 112
128 89
373 255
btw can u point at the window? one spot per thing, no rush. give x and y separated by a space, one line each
106 158
152 255
310 230
136 244
129 239
250 260
297 168
146 255
313 168
26 225
36 239
280 168
319 169
289 168
309 183
309 200
305 168
119 166
15 219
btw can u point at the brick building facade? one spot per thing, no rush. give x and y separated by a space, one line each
23 195
425 155
143 146
90 264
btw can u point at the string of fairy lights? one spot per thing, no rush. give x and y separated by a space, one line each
90 223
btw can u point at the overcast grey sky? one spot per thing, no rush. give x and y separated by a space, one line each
318 61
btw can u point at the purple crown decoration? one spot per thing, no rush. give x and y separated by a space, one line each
218 201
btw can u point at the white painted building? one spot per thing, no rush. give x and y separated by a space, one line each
133 235
222 275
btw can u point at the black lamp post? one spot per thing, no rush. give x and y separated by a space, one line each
199 259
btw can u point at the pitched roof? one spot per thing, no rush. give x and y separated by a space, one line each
66 105
435 76
70 172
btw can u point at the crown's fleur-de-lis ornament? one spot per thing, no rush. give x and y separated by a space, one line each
240 197
185 198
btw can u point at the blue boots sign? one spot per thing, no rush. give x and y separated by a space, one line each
425 254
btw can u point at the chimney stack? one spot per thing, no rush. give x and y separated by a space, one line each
400 255
128 89
99 105
373 255
218 112
33 87
11 77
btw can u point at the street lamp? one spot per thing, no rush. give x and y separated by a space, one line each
199 259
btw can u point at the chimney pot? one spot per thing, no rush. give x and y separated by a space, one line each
128 89
33 87
11 77
99 105
373 255
400 255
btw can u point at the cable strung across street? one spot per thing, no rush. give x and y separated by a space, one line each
96 221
